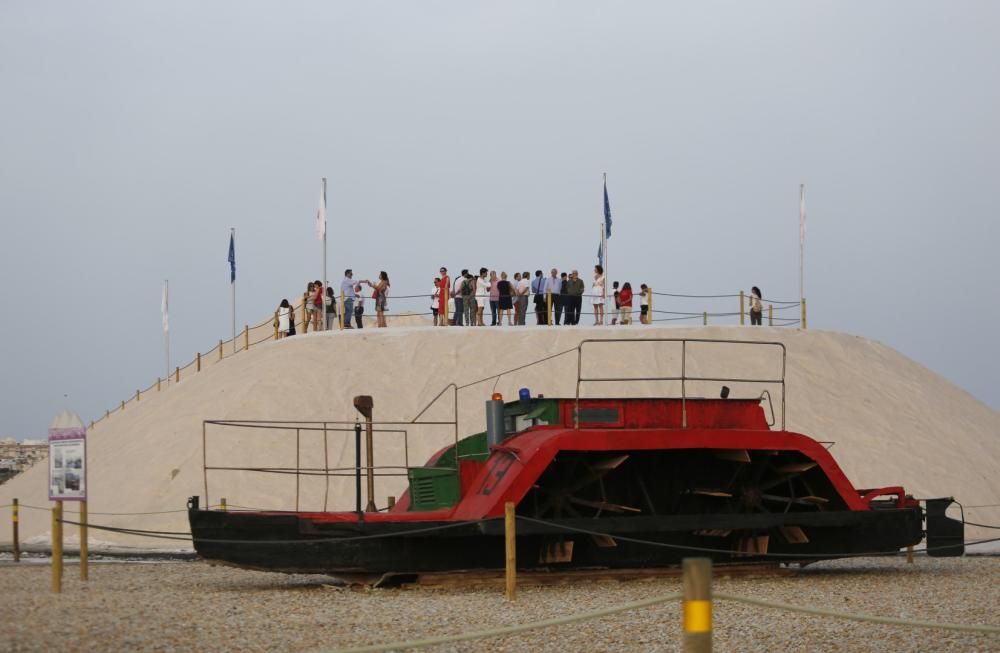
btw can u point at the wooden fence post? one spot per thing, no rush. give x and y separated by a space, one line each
697 581
742 300
770 315
220 349
246 336
511 557
84 559
57 559
137 395
157 384
804 313
704 318
649 302
276 325
177 375
305 325
17 541
198 359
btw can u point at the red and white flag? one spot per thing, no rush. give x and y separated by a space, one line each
321 216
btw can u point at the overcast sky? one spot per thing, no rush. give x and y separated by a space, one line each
133 135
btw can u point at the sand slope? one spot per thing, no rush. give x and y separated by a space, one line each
893 421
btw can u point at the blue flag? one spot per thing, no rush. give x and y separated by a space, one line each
607 212
232 259
600 254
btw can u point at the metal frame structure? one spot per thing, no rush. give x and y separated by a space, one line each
683 378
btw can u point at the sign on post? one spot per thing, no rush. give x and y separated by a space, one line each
67 458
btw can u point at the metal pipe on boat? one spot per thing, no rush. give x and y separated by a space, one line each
357 468
364 405
494 422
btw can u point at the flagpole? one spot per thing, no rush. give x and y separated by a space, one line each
232 283
326 282
166 327
802 241
604 239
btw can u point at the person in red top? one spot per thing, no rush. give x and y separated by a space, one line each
317 302
444 285
625 301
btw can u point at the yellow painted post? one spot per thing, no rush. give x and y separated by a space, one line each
742 315
177 375
704 318
222 504
510 538
198 359
57 547
548 307
220 349
246 336
770 315
804 313
84 562
697 620
17 541
340 313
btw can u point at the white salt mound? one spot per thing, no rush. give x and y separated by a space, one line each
894 422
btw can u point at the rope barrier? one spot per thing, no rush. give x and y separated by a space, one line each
702 549
822 612
512 630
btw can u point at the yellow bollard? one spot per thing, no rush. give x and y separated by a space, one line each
198 359
57 547
17 541
246 336
697 581
770 315
742 315
510 538
222 504
220 349
803 312
84 561
704 318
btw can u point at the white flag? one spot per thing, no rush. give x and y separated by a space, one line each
321 216
802 214
164 309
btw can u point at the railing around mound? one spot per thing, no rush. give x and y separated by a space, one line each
684 377
267 330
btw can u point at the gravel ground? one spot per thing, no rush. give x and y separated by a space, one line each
193 606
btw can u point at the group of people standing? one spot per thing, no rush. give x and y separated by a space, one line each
462 301
321 305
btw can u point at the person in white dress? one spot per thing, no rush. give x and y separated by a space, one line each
482 295
284 313
597 291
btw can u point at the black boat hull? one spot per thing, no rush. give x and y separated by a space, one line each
291 543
